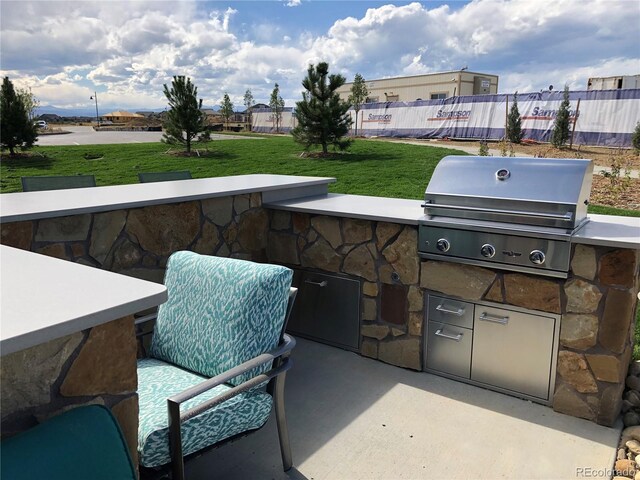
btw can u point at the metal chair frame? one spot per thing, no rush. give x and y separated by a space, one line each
276 376
56 182
152 177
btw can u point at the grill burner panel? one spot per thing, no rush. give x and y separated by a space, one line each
509 251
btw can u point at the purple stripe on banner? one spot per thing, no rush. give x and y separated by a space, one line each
580 138
270 130
630 94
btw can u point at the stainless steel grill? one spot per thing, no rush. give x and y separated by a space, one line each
505 212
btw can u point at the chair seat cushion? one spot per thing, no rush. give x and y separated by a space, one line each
83 443
159 380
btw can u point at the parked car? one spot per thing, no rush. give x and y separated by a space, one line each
41 124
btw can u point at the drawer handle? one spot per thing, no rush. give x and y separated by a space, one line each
459 312
487 317
317 284
440 333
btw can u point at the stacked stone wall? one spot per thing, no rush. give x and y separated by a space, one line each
95 366
99 365
383 256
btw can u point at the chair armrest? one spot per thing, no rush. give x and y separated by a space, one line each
281 351
279 354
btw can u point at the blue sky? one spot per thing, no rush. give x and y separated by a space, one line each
126 51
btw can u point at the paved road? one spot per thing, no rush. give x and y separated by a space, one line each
88 136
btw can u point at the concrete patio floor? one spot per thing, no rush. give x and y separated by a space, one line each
355 418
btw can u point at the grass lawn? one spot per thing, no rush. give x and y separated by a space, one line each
369 168
376 168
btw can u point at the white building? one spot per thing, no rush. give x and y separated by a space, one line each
427 87
614 83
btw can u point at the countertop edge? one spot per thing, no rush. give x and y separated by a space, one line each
90 320
159 200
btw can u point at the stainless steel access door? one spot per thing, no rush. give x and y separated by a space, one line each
513 350
327 309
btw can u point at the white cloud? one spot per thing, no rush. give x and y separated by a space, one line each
293 3
129 50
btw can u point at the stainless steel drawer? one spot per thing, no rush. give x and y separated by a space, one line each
513 350
449 349
453 312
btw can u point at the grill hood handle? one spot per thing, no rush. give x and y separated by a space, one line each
556 216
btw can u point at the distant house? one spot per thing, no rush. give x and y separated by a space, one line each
121 116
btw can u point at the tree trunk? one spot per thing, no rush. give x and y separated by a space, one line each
188 143
324 147
356 124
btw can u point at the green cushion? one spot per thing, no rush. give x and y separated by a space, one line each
82 443
221 312
158 380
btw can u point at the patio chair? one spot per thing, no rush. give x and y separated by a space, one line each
217 361
164 176
57 182
85 442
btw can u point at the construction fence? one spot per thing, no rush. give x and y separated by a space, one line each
600 117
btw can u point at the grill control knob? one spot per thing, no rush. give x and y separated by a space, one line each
488 250
537 257
443 245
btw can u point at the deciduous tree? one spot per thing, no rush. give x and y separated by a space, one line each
561 132
226 109
322 115
185 119
16 128
248 104
277 106
359 93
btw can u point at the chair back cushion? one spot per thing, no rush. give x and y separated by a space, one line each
221 312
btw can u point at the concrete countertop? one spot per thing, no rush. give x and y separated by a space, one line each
57 203
44 298
603 230
392 210
610 231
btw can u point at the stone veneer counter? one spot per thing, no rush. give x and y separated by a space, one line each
45 298
58 203
601 230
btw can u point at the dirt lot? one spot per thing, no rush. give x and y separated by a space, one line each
600 155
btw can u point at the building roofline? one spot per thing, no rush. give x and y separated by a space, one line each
425 75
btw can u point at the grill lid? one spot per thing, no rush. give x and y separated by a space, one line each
552 192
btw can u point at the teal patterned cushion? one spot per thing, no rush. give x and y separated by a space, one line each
158 380
221 312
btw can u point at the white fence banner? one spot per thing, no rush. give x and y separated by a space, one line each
605 117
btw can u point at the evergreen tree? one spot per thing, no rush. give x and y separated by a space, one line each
561 131
185 119
226 109
635 139
514 123
16 128
359 93
322 116
248 103
277 106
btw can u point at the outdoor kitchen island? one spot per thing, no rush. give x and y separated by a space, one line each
589 316
369 241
